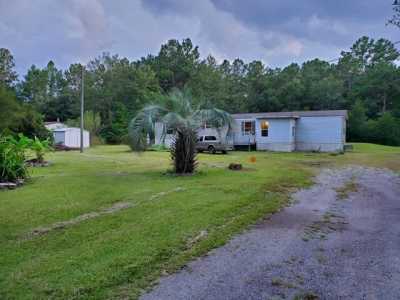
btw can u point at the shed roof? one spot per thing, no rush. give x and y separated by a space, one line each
67 129
292 114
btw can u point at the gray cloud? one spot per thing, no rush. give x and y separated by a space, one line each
277 32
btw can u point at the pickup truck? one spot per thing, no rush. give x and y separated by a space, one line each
212 144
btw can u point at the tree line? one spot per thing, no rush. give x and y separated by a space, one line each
365 80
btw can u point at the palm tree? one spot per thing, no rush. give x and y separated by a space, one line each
177 113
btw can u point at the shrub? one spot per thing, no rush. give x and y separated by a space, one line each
12 157
40 148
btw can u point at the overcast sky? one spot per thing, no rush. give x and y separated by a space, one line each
277 32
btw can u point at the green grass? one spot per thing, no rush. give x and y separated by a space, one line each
118 255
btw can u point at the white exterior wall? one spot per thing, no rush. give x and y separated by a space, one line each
312 133
158 138
59 137
239 138
280 137
71 137
326 134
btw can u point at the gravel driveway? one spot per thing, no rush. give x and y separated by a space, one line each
334 242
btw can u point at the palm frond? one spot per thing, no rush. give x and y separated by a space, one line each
214 117
174 121
180 102
143 125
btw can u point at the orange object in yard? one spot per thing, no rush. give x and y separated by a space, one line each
252 159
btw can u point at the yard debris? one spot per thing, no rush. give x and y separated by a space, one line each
162 194
35 163
8 185
276 281
306 296
202 234
61 225
11 185
235 166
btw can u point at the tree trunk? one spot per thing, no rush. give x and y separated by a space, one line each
183 151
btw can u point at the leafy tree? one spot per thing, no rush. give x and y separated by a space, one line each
176 113
379 86
357 122
387 130
175 63
323 90
44 89
286 88
367 51
10 109
30 123
395 20
8 76
209 84
115 132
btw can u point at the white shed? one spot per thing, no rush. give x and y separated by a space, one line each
71 137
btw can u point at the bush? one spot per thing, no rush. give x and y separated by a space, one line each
385 130
40 148
113 134
12 158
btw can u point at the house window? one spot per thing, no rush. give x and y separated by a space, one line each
170 131
264 128
293 131
248 128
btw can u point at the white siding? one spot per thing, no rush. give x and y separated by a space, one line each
279 137
159 139
325 134
59 137
239 138
312 133
71 137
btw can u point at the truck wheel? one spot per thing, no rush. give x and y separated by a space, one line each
211 149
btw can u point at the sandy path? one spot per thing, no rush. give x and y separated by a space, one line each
321 246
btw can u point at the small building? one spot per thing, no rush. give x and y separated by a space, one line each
71 137
323 131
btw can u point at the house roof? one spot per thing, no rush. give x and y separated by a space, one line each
52 122
292 114
67 129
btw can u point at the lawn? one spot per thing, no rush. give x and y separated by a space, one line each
169 219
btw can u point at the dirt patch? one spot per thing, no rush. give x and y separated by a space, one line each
344 191
64 224
162 194
329 223
91 215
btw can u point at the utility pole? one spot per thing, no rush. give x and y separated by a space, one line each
82 104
